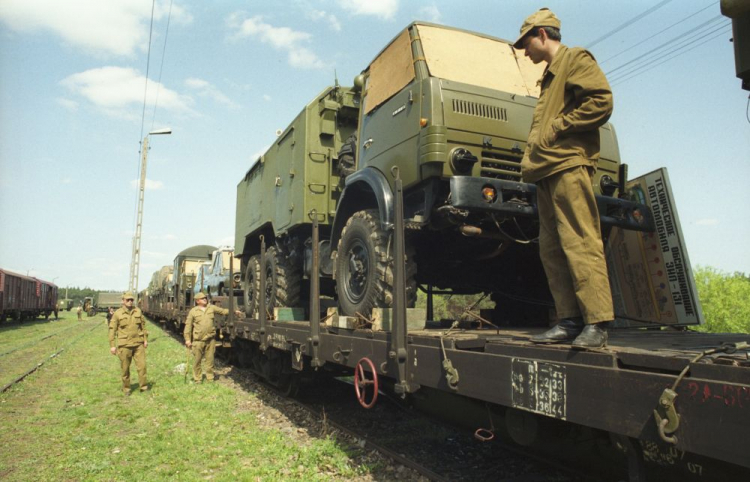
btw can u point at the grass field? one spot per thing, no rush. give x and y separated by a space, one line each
70 421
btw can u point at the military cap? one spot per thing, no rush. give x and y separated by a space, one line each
128 296
541 18
200 296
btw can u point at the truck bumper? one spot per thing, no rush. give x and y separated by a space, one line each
509 199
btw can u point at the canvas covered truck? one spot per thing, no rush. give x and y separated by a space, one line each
108 300
447 111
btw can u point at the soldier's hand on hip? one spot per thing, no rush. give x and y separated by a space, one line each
113 350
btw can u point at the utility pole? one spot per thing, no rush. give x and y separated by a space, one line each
136 256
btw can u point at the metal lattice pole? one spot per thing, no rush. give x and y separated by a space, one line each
136 256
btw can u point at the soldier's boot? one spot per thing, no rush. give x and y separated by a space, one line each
593 336
126 392
565 331
144 388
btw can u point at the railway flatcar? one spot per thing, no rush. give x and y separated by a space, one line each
25 297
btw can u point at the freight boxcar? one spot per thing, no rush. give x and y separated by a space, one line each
25 297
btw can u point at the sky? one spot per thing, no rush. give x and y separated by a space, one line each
73 78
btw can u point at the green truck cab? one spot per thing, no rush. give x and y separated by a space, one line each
449 112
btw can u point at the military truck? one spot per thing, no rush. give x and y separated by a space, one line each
65 304
89 306
105 301
448 111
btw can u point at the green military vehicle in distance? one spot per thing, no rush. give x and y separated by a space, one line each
64 305
451 110
107 300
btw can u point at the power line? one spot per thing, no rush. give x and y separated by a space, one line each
148 63
679 40
143 114
658 33
665 57
722 30
628 23
161 67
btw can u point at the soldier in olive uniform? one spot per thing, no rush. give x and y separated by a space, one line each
128 329
200 335
561 157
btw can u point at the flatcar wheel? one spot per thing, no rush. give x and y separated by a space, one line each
362 382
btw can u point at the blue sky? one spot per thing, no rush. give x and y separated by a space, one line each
72 79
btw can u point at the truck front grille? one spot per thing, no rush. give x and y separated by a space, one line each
499 165
480 110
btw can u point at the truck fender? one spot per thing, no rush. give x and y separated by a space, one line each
365 189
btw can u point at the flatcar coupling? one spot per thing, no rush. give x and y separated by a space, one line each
665 415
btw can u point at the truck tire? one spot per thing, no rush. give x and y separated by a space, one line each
364 277
250 285
283 279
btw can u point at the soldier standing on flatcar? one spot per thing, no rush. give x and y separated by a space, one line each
127 328
200 336
560 158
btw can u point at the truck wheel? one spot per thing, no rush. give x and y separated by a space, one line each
364 278
283 279
250 285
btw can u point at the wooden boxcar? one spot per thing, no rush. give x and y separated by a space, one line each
25 297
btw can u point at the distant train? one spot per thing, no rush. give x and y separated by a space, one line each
25 297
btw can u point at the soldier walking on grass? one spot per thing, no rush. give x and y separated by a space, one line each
128 339
560 158
79 310
200 335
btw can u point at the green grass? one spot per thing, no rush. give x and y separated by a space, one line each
70 421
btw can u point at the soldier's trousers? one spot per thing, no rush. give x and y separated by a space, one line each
128 353
203 351
571 248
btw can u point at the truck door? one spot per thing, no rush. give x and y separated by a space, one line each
284 203
650 273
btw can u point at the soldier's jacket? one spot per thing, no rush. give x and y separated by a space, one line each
127 327
575 101
199 325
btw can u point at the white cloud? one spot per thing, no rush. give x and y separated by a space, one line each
118 91
114 27
707 222
206 89
281 38
323 16
66 180
384 9
267 97
430 13
151 185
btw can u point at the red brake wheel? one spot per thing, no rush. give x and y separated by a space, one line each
365 376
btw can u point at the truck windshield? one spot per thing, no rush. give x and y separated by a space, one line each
472 59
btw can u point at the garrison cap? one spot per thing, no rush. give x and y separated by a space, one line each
200 296
541 18
128 296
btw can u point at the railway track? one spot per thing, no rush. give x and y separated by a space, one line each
39 340
39 364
